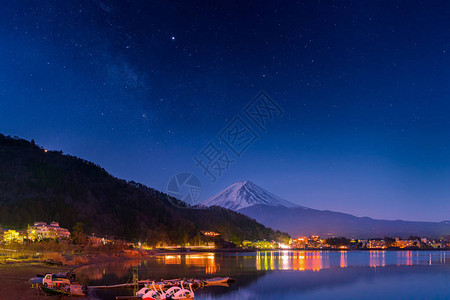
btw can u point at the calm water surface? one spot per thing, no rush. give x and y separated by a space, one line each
292 274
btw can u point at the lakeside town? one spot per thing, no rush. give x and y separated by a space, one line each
42 232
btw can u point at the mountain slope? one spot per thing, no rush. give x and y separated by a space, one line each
307 222
38 185
302 221
246 194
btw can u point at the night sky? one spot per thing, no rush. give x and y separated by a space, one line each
142 88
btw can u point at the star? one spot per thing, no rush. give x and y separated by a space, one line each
172 38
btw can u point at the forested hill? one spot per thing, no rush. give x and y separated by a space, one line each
40 185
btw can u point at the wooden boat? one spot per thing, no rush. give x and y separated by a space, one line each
217 280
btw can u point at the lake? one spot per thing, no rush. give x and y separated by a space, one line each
291 274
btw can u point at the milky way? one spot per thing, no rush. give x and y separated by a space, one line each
142 88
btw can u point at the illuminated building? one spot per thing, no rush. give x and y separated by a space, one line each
300 243
11 236
40 230
210 233
98 241
246 244
406 243
376 244
313 242
264 245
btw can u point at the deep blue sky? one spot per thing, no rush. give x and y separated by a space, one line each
142 87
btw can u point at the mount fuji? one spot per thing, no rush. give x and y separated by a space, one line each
249 199
245 194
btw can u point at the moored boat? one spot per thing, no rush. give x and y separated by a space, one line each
217 280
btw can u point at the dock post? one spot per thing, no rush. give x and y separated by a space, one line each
135 280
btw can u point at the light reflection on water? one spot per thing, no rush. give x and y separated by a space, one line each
291 260
260 275
206 261
318 260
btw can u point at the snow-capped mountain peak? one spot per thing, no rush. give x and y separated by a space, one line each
245 194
